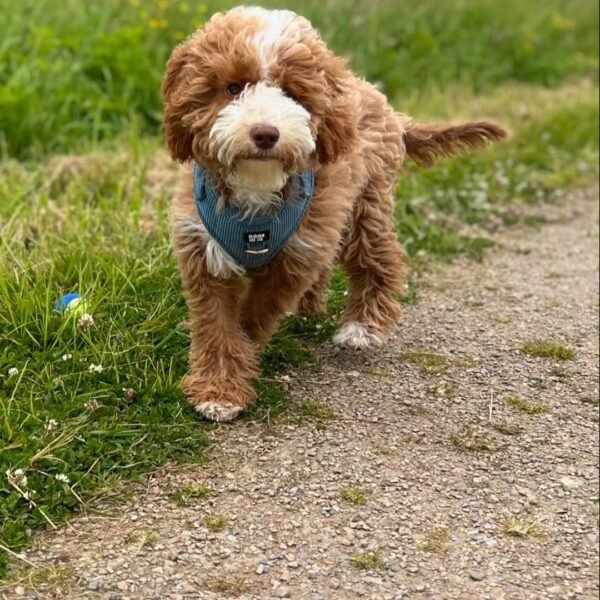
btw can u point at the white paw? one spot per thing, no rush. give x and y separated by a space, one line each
213 411
356 335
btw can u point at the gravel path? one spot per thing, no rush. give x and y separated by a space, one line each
401 474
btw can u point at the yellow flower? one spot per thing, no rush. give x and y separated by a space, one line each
179 35
563 23
198 24
163 5
183 7
154 23
202 8
163 23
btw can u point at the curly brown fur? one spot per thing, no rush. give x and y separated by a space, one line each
329 120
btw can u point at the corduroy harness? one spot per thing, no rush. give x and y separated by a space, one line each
252 241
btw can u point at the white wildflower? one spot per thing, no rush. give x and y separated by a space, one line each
51 425
13 371
318 326
66 357
61 477
92 404
95 368
17 477
85 322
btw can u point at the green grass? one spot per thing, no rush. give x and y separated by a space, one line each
83 79
436 541
428 362
353 495
214 522
531 408
548 349
367 562
99 64
522 528
193 491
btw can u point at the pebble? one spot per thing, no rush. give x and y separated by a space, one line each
476 575
94 585
282 592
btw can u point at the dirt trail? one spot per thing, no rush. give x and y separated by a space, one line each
420 479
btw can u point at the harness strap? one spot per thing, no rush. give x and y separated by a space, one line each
252 241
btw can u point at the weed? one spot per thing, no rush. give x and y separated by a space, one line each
507 428
428 362
228 587
547 349
367 562
214 523
378 371
531 408
316 410
560 373
469 439
191 491
521 528
436 541
144 539
353 495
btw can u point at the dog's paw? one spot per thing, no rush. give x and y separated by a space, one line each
213 411
215 399
356 335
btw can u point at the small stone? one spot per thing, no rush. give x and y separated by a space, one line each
94 585
335 583
20 590
282 592
476 575
261 569
569 483
122 585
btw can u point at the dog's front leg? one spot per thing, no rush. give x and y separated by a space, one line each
274 292
222 356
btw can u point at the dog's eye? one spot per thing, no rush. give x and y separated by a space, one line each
234 89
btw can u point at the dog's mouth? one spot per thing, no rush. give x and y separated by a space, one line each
261 173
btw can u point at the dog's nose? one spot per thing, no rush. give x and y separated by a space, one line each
264 136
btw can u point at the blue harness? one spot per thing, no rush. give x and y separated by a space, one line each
252 241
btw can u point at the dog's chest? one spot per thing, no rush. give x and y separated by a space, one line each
251 241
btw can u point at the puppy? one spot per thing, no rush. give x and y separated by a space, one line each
291 164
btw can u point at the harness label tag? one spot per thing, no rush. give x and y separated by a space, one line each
256 237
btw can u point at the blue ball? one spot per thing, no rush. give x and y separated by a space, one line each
62 305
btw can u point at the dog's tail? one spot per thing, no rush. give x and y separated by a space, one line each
426 143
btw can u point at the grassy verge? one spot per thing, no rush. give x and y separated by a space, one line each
83 408
97 65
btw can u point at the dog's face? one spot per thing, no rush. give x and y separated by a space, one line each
255 97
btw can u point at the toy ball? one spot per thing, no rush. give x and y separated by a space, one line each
72 304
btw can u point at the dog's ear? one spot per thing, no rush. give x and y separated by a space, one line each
178 137
338 132
426 143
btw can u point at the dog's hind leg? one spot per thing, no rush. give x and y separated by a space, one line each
374 262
